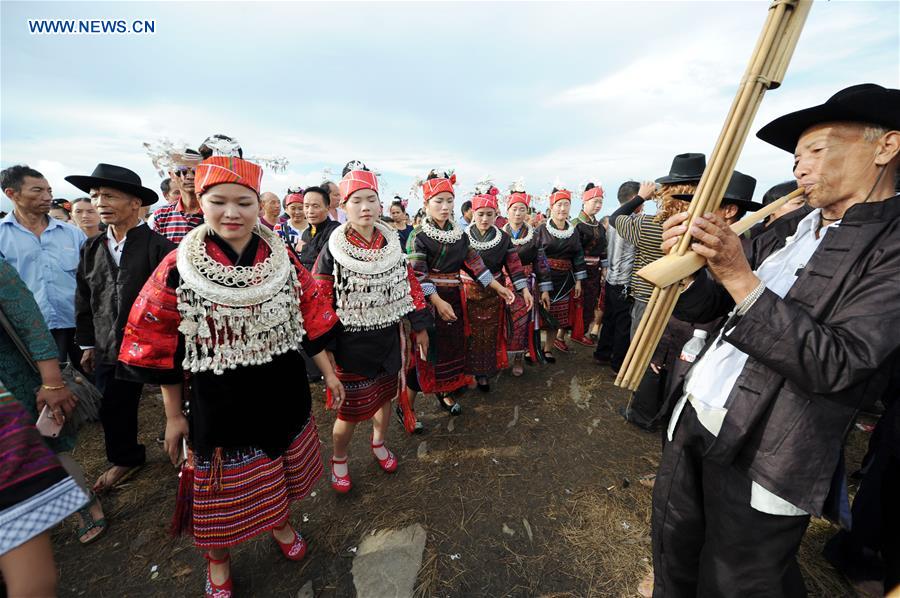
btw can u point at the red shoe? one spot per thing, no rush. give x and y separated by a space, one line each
583 341
560 346
217 591
341 484
389 463
294 550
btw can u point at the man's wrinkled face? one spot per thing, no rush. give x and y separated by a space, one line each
35 196
833 162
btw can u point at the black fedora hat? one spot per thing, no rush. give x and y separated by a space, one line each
117 177
865 103
739 192
686 168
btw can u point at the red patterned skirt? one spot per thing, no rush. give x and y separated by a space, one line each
237 497
363 397
564 308
520 317
486 349
445 368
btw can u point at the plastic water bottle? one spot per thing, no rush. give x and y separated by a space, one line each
692 348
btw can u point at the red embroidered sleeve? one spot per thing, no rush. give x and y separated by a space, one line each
415 289
318 314
151 333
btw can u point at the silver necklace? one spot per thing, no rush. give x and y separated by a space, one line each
522 240
484 245
442 236
560 234
362 260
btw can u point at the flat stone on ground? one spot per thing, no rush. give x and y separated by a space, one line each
387 563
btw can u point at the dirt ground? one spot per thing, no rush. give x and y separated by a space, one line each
532 491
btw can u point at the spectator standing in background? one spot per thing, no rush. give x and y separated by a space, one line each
44 251
85 217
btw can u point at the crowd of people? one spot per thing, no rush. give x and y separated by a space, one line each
223 289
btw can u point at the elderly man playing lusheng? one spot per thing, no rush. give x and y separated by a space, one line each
756 436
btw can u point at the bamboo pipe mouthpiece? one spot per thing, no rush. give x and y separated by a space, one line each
672 268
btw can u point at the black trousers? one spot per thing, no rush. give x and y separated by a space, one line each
66 346
119 416
707 539
615 334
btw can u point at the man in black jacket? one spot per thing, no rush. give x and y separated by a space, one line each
761 415
114 267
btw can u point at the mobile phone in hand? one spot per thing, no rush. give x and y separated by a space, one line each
47 424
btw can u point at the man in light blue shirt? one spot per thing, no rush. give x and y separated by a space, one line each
44 251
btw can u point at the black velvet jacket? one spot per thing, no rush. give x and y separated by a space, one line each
815 356
105 292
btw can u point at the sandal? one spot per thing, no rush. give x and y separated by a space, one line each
223 590
389 463
294 550
452 408
103 485
561 346
85 514
341 484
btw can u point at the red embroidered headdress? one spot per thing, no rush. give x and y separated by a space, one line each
485 200
518 197
293 198
357 177
443 182
223 169
592 193
560 194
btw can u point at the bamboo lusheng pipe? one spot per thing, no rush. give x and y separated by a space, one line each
671 268
768 64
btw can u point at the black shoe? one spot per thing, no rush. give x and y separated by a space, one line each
452 409
417 429
484 386
161 439
549 357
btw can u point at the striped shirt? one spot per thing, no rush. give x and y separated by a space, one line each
173 223
645 234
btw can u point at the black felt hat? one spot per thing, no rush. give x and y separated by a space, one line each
739 192
686 168
865 103
117 177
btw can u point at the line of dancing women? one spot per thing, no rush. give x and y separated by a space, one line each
227 313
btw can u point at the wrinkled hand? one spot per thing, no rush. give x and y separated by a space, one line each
529 300
508 296
176 429
673 228
337 390
422 344
577 289
647 189
60 402
545 299
714 240
87 361
445 311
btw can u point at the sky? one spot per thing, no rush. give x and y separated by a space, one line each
567 92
